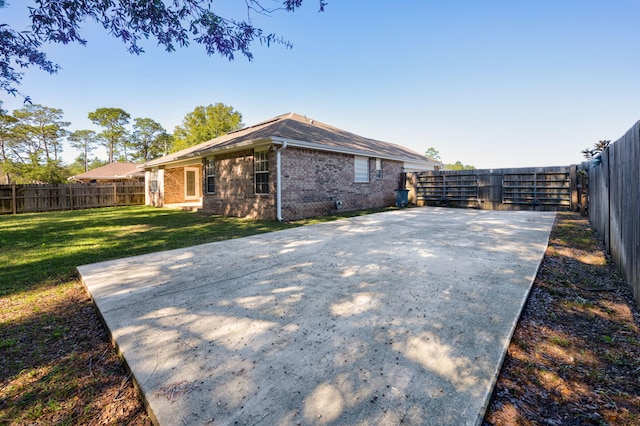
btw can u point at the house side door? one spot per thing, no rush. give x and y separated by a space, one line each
191 186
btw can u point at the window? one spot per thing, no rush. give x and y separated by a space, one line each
210 174
378 168
153 182
261 167
191 180
361 165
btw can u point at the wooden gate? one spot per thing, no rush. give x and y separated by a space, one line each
550 188
537 188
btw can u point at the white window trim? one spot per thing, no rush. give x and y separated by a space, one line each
361 176
153 181
196 196
256 172
210 172
378 168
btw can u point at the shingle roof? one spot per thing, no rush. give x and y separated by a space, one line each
302 131
117 170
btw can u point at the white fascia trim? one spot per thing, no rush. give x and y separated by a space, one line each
410 166
189 158
235 147
320 147
176 163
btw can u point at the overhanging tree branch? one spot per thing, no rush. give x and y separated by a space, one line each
172 23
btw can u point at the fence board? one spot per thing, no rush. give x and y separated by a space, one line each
546 188
614 203
42 198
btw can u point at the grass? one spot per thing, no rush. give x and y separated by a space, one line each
56 363
44 248
560 341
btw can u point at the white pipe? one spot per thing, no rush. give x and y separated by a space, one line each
279 181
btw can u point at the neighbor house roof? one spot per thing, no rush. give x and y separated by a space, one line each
299 131
113 171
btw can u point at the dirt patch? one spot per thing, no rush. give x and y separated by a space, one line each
57 365
574 358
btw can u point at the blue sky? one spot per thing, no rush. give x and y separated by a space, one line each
488 83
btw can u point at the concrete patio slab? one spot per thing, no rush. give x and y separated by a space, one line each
401 317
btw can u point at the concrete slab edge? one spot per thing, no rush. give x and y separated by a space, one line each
514 324
481 413
121 356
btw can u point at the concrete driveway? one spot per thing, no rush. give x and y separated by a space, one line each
401 317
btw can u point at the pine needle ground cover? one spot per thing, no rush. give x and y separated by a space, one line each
574 358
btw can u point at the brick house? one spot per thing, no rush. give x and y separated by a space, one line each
286 168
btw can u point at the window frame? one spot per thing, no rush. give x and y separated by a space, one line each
261 172
378 168
210 175
197 183
153 180
359 166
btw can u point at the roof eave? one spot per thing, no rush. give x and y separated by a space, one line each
340 150
187 158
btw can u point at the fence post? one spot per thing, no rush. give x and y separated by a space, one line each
70 196
13 199
115 195
573 185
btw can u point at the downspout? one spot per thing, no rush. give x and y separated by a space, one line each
279 181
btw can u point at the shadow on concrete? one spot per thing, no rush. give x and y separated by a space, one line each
397 317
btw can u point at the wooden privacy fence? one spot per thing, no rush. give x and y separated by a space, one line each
42 198
614 203
548 188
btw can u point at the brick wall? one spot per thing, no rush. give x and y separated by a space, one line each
235 190
313 180
174 185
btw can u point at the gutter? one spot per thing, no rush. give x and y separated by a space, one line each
279 181
172 159
340 150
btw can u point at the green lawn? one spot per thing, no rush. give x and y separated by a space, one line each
45 248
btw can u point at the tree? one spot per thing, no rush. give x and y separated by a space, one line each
36 143
40 129
458 166
166 142
597 149
19 50
170 23
432 153
84 141
206 123
113 136
79 166
149 139
7 135
435 154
